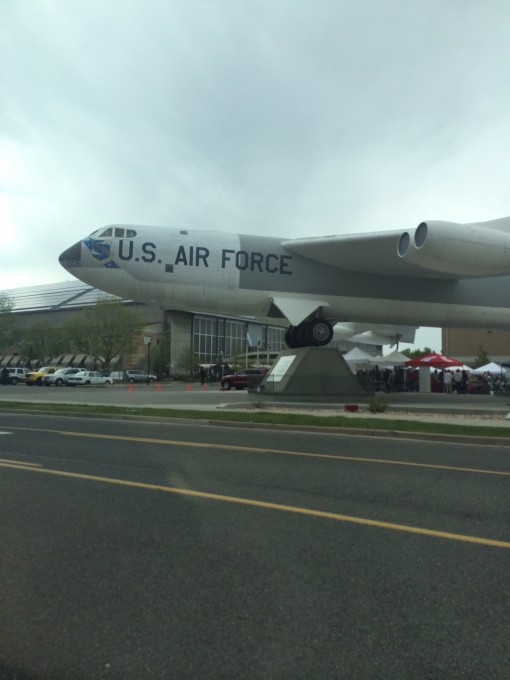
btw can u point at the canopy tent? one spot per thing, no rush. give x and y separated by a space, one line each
435 360
357 356
395 358
491 367
375 361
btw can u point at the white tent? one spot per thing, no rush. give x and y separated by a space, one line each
396 358
357 356
489 368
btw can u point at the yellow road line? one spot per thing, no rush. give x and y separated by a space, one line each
283 452
271 506
20 463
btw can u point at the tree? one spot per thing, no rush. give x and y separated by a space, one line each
187 361
7 319
105 330
413 353
162 355
42 340
481 358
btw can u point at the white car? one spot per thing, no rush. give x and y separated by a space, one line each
17 374
89 378
60 377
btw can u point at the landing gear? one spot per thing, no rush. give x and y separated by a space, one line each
313 333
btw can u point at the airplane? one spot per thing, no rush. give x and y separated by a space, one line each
439 274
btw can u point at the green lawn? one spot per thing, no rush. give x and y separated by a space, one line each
292 420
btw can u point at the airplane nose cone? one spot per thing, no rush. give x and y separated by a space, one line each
71 257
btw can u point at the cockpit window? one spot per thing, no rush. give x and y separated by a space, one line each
118 232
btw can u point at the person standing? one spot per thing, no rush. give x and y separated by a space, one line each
448 379
457 381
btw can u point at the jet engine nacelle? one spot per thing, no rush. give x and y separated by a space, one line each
459 249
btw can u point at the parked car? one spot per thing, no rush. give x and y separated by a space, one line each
88 378
133 376
35 377
17 375
60 377
244 378
117 376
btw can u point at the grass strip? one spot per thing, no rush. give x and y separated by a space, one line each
269 418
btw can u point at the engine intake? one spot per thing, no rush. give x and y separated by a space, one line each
478 249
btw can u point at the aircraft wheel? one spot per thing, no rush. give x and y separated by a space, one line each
295 336
318 332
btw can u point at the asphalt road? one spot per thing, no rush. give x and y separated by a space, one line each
178 395
134 550
163 395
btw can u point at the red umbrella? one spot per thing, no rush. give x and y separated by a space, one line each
435 360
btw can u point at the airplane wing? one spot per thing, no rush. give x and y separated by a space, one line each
372 253
436 249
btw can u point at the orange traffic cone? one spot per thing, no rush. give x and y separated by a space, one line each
130 387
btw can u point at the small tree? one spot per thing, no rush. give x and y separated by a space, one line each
162 355
413 353
482 357
105 330
187 361
42 340
7 320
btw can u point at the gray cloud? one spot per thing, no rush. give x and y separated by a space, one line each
272 117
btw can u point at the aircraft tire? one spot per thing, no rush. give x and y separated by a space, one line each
318 332
295 336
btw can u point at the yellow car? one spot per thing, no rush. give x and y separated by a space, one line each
35 377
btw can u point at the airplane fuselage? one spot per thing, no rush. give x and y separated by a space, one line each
231 274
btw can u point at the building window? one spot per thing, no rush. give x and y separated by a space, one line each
205 340
275 339
219 339
235 338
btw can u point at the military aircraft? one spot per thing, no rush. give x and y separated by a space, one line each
441 273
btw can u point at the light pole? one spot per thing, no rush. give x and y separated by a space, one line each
147 341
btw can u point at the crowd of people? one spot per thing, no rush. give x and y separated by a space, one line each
449 381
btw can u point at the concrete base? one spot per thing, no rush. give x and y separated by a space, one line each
309 374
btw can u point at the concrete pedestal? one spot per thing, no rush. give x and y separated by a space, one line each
311 374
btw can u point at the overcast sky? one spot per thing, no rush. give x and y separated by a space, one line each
272 117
